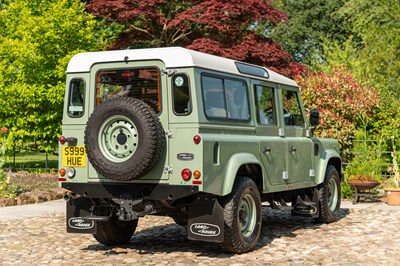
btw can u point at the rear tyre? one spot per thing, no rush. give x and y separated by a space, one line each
329 196
181 219
115 232
242 216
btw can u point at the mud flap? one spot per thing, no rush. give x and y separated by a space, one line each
76 210
206 219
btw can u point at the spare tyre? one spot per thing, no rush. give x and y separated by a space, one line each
124 139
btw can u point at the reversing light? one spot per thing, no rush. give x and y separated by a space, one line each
62 140
196 174
196 139
71 172
186 174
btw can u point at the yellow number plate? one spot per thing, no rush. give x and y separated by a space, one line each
74 156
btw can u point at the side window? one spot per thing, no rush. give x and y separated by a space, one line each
225 98
214 97
265 105
76 97
181 95
141 83
236 100
291 109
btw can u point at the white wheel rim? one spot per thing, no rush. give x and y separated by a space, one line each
332 194
247 215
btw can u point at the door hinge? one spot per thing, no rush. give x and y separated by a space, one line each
169 71
312 172
281 132
168 169
168 133
285 175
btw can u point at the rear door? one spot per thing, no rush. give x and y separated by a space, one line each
143 80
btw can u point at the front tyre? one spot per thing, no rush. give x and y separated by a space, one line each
329 196
242 216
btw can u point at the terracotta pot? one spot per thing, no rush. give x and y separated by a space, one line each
392 196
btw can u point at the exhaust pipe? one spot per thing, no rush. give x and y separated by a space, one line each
71 196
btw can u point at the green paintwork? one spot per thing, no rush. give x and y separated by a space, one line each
285 154
113 148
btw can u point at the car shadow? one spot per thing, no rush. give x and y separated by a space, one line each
170 238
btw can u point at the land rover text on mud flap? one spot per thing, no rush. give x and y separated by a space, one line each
200 138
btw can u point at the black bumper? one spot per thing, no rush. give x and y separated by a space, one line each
130 190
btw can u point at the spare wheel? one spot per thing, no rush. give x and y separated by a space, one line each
124 139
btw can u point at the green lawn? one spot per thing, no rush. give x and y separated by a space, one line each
31 160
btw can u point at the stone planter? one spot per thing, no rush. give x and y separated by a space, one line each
392 196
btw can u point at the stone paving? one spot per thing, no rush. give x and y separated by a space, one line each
360 237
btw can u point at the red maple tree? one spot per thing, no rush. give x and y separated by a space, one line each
230 28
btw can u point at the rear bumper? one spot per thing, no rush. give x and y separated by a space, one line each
133 191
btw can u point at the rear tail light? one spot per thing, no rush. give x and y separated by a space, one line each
186 174
196 139
62 140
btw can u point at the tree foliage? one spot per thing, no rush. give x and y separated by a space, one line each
37 39
373 50
344 104
373 55
310 21
233 29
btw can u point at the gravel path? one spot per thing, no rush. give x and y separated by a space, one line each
361 237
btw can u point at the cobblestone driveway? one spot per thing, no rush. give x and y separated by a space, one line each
360 237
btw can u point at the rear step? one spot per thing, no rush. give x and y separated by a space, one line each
306 207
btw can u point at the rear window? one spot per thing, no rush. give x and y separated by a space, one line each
141 83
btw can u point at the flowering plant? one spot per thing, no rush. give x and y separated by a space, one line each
394 180
3 144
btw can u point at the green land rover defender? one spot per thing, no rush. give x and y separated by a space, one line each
205 140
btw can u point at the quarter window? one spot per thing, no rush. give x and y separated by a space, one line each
76 97
291 109
225 98
181 94
140 83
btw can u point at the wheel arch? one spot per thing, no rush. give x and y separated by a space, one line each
328 158
242 164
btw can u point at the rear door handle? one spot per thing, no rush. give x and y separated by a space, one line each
267 150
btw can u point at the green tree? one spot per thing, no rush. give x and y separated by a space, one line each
37 39
373 55
309 22
373 52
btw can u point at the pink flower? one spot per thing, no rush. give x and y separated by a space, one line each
4 130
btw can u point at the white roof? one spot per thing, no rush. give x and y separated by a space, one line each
173 57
